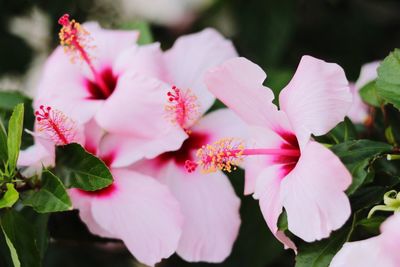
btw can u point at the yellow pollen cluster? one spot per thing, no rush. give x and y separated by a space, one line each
75 39
182 108
225 154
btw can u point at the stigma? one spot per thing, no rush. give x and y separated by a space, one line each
56 125
182 107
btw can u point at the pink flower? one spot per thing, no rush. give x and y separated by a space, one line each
135 208
286 168
95 67
358 112
380 250
149 131
209 204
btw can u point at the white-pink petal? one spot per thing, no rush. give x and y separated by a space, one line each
379 251
142 213
211 213
316 99
191 56
238 84
313 193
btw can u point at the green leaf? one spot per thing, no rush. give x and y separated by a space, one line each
13 251
10 197
388 82
15 126
320 254
282 221
3 144
344 131
358 156
9 99
81 169
21 239
145 35
39 221
369 94
389 135
52 196
372 224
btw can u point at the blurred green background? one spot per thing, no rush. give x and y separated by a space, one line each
274 34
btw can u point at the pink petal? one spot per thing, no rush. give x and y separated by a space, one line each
254 165
391 237
211 212
238 84
106 45
83 203
368 73
148 131
381 250
145 60
93 134
268 193
358 112
313 193
366 253
35 157
142 213
316 99
190 57
129 149
221 123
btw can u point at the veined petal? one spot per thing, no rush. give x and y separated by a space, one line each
238 84
211 213
221 123
316 99
268 190
313 193
187 61
142 213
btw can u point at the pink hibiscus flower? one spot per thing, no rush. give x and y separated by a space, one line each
135 208
93 67
382 250
209 204
151 132
358 112
286 168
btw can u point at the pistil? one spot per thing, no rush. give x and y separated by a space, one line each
75 40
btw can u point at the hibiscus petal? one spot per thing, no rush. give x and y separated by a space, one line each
142 59
83 202
268 192
135 117
211 211
238 84
221 123
189 58
254 165
142 213
313 193
366 253
316 99
106 45
127 149
368 73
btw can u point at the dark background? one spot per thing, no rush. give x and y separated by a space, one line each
274 34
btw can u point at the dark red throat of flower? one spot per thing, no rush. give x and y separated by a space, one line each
55 125
76 41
